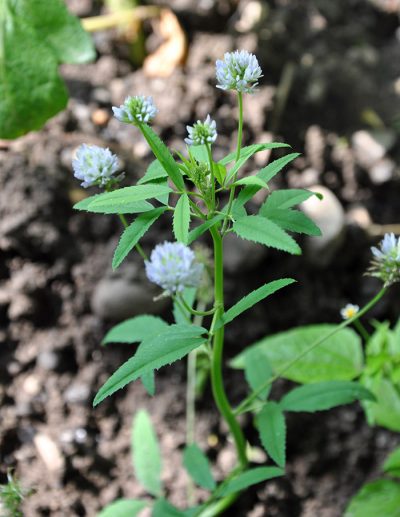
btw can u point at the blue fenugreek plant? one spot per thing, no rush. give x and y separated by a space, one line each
205 195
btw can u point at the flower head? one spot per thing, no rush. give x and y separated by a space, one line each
95 166
238 71
202 132
349 311
173 266
136 110
386 260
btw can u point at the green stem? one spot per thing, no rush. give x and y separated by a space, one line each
362 330
138 247
217 353
194 311
238 149
212 178
251 398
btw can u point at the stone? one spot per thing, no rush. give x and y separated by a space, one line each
49 452
369 148
77 393
382 171
48 360
241 255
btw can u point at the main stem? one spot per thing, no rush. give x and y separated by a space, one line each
217 353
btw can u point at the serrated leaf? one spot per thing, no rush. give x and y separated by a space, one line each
84 203
257 371
291 220
392 463
163 508
123 508
198 467
251 180
149 382
135 329
133 233
153 353
249 478
287 198
266 174
339 357
324 395
146 457
380 498
258 229
125 200
181 219
252 298
155 171
271 425
202 228
162 153
36 37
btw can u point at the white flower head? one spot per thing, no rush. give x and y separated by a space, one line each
202 132
136 110
349 310
386 260
238 71
173 267
95 166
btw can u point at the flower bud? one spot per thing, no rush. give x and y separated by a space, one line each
238 71
136 110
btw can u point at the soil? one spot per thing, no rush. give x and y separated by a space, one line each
344 57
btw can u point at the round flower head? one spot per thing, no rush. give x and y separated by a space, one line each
136 110
386 260
95 166
349 311
202 132
173 267
238 71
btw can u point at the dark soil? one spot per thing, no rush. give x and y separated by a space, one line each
55 263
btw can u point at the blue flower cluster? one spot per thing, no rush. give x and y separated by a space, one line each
238 71
202 132
386 262
95 166
136 110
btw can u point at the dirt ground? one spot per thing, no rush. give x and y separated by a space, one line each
340 65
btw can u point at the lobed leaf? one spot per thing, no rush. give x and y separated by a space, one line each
123 508
258 229
198 467
146 457
271 425
133 233
324 395
181 220
249 478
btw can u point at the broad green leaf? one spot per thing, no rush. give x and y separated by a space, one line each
339 357
36 36
219 172
133 233
271 425
198 467
136 207
153 353
392 463
146 457
254 297
199 230
258 229
189 295
291 220
135 329
251 180
155 171
249 478
257 371
378 499
123 508
124 200
386 410
84 203
163 508
199 152
324 395
162 153
266 174
181 219
287 198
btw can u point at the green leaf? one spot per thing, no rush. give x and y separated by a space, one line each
258 229
380 498
199 230
219 172
249 478
36 36
133 233
182 219
181 315
340 357
153 353
162 153
84 203
123 508
252 298
198 467
386 410
287 198
149 382
155 171
291 220
257 370
271 425
392 463
125 200
324 395
199 153
251 180
163 508
146 457
135 329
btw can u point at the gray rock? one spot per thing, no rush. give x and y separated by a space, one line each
48 360
370 147
241 255
382 171
77 393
